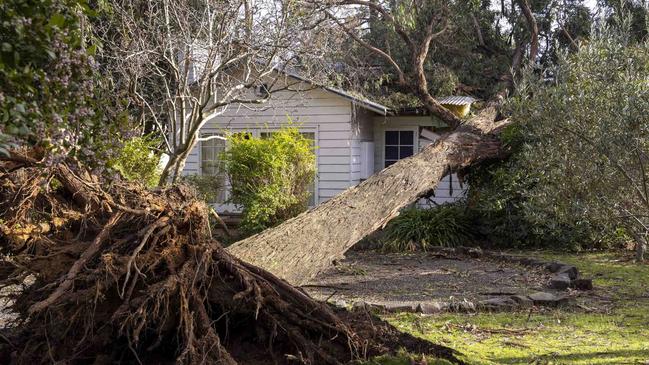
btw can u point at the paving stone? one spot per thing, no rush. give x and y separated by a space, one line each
522 300
462 307
547 299
358 306
431 307
583 284
554 266
396 307
498 303
559 282
569 270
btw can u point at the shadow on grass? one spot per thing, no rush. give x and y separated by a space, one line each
631 356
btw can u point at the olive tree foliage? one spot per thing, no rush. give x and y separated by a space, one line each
588 138
137 161
185 62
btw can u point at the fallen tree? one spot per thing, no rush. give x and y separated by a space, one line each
133 276
301 247
323 234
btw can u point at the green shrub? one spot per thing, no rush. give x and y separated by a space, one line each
270 177
447 225
208 187
578 153
137 161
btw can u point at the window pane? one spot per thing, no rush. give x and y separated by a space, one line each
405 151
308 135
207 153
391 152
391 138
210 168
406 138
211 165
388 163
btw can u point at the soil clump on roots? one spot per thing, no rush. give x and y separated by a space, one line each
122 274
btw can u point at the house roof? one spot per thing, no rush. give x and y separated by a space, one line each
380 108
360 101
457 100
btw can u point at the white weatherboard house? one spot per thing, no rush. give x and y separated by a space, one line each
355 137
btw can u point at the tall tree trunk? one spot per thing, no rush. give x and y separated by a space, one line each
533 28
302 247
640 249
176 164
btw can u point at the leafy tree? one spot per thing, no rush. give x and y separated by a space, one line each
51 95
632 12
475 46
183 63
582 164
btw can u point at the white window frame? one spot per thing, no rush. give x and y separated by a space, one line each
226 193
223 207
415 141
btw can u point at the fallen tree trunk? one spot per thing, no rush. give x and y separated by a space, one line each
300 248
133 276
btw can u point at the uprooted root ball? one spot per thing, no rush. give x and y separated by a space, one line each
122 274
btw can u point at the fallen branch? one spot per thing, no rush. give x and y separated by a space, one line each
323 234
220 221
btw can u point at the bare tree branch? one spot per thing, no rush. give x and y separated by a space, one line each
359 40
533 28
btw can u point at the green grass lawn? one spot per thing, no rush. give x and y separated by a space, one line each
611 327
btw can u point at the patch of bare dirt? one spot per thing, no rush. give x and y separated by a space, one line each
411 278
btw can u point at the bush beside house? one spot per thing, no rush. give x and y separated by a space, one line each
270 176
137 161
448 225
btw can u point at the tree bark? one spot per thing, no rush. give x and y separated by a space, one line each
640 249
478 31
533 28
300 248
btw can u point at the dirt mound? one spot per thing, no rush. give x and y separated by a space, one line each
127 275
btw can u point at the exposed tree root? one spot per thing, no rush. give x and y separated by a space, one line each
132 276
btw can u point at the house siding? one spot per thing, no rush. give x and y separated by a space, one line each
362 131
340 129
449 189
313 110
